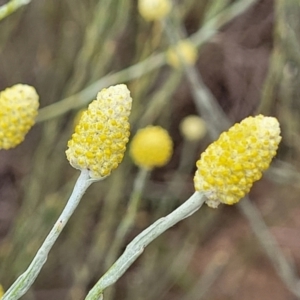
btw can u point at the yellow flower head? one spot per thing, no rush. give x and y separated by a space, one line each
184 51
152 10
18 109
151 147
229 166
100 138
193 128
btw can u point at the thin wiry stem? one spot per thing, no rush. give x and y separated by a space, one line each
205 102
138 244
149 64
10 7
218 122
25 281
128 220
212 26
129 217
284 268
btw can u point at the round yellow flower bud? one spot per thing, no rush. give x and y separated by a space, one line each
193 128
187 51
18 109
228 168
151 147
152 10
100 138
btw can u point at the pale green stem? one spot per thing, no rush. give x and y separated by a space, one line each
25 281
86 95
135 248
10 7
151 63
127 220
129 217
204 100
213 25
207 105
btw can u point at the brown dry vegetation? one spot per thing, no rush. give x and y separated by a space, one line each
250 65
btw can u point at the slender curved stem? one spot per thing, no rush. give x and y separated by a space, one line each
25 281
10 7
144 67
86 95
129 217
218 122
284 268
136 247
127 221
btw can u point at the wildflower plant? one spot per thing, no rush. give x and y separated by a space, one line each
103 129
151 147
19 107
225 171
252 143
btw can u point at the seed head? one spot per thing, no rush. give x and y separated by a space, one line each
18 109
151 147
152 10
100 138
228 168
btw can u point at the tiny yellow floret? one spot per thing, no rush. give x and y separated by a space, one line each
193 128
18 108
184 52
228 168
152 10
151 147
99 141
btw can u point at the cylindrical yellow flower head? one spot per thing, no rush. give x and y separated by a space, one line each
193 128
100 138
151 147
184 51
152 10
228 167
18 109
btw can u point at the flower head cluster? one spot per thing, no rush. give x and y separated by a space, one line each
152 10
229 166
151 147
184 51
18 109
100 138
